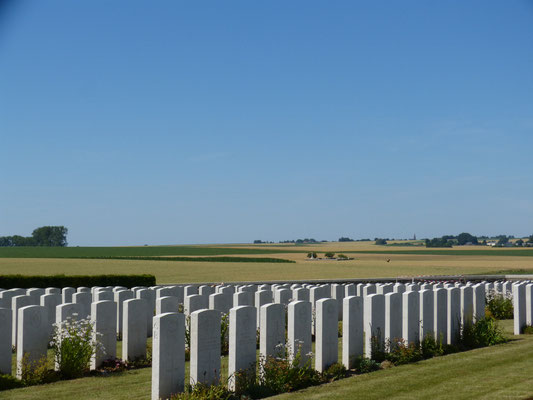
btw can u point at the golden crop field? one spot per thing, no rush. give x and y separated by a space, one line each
365 265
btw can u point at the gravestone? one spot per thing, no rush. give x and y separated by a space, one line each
299 329
168 355
17 302
352 330
282 296
262 297
393 317
149 296
120 297
66 294
205 347
479 301
189 290
84 299
242 342
374 322
104 320
529 304
272 331
369 289
52 290
337 293
102 295
134 329
440 314
6 319
467 305
426 313
194 303
221 302
519 307
32 335
50 302
411 316
166 304
350 290
453 319
326 336
206 290
243 299
300 294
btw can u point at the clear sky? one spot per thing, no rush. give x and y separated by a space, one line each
166 122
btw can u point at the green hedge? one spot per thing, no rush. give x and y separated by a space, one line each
60 281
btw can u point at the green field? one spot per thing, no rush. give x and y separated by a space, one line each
141 251
497 372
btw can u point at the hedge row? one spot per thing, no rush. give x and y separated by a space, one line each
60 281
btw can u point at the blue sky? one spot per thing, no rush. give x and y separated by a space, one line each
167 122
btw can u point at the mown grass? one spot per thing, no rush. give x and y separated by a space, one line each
496 372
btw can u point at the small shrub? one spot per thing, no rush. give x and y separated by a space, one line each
335 372
201 391
499 306
528 330
363 365
399 352
9 382
329 254
342 256
281 375
36 372
73 346
485 332
429 347
113 365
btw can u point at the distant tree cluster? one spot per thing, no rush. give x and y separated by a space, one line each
301 241
346 239
381 242
49 236
439 242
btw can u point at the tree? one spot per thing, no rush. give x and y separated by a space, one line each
329 254
465 238
311 255
519 242
51 236
345 239
381 242
530 239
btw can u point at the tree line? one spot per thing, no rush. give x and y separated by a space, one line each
50 236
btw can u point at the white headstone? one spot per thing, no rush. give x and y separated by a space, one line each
205 347
411 316
352 330
440 314
519 307
120 297
243 299
374 322
272 331
479 301
66 294
299 329
104 320
393 317
467 305
84 299
168 355
221 302
262 297
50 302
242 341
32 335
194 303
453 320
17 302
6 320
134 329
149 296
166 304
326 334
426 313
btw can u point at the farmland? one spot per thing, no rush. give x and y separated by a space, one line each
245 262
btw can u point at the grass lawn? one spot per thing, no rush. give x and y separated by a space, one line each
498 372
